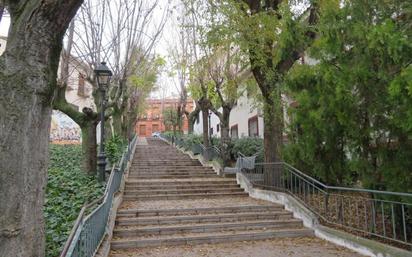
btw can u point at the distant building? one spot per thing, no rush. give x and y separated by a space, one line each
245 121
3 43
79 90
152 119
79 95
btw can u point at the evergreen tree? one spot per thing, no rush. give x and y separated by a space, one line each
354 105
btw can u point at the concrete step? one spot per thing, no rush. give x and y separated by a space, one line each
183 182
183 196
198 211
153 176
156 157
178 187
181 191
207 228
167 168
204 218
186 166
171 172
173 167
209 238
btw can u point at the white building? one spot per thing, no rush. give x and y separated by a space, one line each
79 95
245 121
79 89
3 42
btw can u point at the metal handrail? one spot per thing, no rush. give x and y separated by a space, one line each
326 187
379 214
73 238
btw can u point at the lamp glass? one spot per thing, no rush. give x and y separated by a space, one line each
103 75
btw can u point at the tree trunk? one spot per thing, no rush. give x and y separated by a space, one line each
225 137
85 120
28 74
273 130
192 119
1 11
205 117
89 147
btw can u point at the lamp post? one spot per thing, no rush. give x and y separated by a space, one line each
210 129
103 75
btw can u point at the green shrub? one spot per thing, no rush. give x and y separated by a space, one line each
68 189
170 133
248 146
215 141
192 139
114 148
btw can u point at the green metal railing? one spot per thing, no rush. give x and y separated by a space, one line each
369 213
89 230
209 153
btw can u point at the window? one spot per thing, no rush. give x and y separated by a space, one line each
198 118
234 132
142 130
155 128
217 128
253 127
81 91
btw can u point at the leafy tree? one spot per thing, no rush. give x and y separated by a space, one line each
171 119
353 115
28 75
274 36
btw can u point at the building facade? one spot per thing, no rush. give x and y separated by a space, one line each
79 95
245 121
3 42
152 119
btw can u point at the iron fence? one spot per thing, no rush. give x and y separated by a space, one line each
370 213
89 230
209 153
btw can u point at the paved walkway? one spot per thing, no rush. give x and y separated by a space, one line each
296 247
141 141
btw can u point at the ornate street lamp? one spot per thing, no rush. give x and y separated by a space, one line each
103 75
210 129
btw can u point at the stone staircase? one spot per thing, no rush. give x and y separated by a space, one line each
171 199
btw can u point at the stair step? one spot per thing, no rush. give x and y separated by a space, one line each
208 228
197 211
183 196
185 182
224 217
168 171
169 168
211 238
154 170
175 174
178 187
172 176
180 191
169 162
